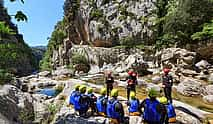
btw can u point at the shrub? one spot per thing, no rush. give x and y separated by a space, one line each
80 63
59 89
5 77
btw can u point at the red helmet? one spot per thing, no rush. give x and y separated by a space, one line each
130 72
166 70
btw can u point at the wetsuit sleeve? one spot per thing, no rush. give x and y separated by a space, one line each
104 102
142 104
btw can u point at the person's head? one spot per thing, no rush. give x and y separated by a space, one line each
152 93
163 100
114 93
166 71
103 91
90 90
77 87
130 72
82 89
132 95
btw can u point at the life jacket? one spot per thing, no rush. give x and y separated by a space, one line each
111 113
80 104
134 105
100 107
150 112
72 97
171 113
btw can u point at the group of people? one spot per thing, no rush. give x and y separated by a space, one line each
155 110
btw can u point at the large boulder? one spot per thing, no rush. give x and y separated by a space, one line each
63 72
208 90
203 64
190 87
177 57
17 106
208 99
210 78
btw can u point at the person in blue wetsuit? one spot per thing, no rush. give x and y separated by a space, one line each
101 103
169 116
74 94
92 100
81 103
115 109
152 108
134 105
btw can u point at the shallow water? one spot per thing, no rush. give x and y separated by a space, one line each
48 92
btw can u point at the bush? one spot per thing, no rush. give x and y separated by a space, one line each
80 63
129 42
59 89
96 14
5 77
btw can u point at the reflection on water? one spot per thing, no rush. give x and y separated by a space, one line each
48 92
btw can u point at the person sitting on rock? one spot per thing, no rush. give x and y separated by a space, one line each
115 109
134 105
169 116
131 82
101 103
92 100
82 101
74 94
152 108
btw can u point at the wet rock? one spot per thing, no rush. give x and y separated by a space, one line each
208 99
190 87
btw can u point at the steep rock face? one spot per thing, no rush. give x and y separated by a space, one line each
14 53
104 22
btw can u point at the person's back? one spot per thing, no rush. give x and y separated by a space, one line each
115 109
74 94
101 103
134 105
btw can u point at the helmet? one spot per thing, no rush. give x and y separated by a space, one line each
153 92
163 100
90 90
132 95
77 86
166 70
103 91
114 93
130 72
82 88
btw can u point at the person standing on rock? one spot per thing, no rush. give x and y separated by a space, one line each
101 103
167 82
115 109
131 82
109 80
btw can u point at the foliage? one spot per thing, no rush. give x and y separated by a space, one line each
205 34
15 55
20 16
5 30
80 63
57 37
129 42
59 89
96 14
5 77
25 116
51 111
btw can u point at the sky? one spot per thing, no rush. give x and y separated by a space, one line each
42 17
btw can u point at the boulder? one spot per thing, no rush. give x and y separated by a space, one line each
210 78
208 90
203 64
190 87
63 72
184 118
44 74
173 57
208 99
17 106
156 79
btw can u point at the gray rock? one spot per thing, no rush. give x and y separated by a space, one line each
208 99
156 79
44 74
210 78
17 106
208 90
190 87
203 64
